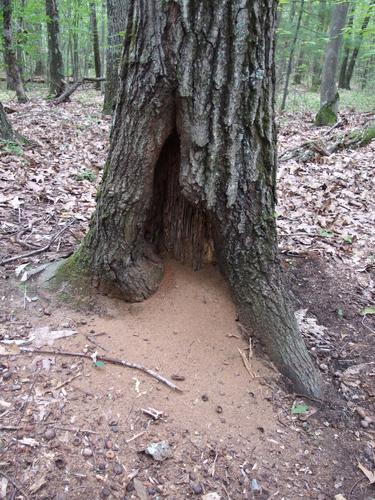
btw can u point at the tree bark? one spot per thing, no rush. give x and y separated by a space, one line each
329 97
6 130
192 166
353 59
345 60
116 15
12 69
56 67
317 61
95 42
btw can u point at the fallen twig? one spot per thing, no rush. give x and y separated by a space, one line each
247 364
38 250
63 384
113 361
135 437
74 429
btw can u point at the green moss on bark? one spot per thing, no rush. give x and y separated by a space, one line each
326 116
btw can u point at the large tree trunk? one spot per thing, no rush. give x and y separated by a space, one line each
56 67
95 42
116 15
12 69
329 97
192 166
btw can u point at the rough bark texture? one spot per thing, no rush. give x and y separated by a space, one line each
192 165
56 67
328 88
12 69
95 42
116 19
6 130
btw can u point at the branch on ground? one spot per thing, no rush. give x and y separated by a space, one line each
69 89
353 139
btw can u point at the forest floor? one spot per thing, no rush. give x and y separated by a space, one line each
71 427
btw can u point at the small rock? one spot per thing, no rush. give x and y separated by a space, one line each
77 441
101 467
365 424
87 452
47 312
159 451
83 322
118 469
108 444
177 377
7 375
16 387
219 409
204 397
197 488
105 493
113 423
323 367
369 419
50 434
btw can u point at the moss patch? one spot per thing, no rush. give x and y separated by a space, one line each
325 116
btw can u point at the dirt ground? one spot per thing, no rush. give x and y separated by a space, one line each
73 428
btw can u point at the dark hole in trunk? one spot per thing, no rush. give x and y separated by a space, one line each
176 226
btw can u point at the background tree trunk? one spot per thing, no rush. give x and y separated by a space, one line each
6 130
12 69
56 67
329 97
347 44
350 69
291 56
317 61
192 166
116 15
95 42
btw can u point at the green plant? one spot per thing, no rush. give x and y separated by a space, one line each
86 175
11 147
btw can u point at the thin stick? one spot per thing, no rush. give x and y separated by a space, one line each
14 483
63 384
74 429
135 437
113 361
246 363
38 250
